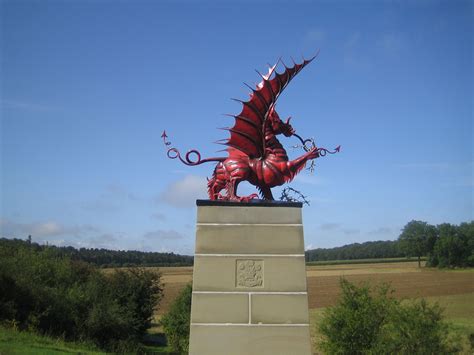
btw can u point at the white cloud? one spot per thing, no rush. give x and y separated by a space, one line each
183 193
81 236
41 229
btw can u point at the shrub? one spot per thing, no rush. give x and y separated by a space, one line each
54 295
369 321
177 321
353 325
416 328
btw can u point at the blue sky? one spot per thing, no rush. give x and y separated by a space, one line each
88 87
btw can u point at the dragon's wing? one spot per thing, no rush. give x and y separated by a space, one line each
247 134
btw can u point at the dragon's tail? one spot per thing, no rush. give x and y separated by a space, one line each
174 153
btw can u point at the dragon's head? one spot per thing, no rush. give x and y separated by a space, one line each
279 126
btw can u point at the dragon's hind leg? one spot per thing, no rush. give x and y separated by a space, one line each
232 192
216 183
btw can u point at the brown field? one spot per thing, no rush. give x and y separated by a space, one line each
323 281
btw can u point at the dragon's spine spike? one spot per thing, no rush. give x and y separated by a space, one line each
247 85
247 120
221 141
243 134
252 107
259 95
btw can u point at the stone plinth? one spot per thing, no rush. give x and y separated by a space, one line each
249 283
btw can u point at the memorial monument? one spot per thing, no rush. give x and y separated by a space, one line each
249 280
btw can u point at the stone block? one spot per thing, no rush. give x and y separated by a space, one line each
249 215
222 273
279 309
249 239
220 308
249 340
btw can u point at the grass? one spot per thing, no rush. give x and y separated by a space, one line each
24 342
459 312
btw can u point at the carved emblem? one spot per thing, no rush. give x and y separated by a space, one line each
249 273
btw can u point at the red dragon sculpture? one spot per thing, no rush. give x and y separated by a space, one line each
255 154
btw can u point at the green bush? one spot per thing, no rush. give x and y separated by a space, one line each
54 295
353 325
370 321
416 328
177 321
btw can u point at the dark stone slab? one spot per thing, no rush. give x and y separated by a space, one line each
252 203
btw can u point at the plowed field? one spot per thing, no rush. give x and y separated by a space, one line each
323 281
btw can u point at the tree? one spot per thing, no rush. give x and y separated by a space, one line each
417 239
454 246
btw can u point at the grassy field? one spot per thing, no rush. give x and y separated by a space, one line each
15 342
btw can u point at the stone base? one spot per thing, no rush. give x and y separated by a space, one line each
249 283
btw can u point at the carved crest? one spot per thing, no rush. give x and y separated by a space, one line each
249 273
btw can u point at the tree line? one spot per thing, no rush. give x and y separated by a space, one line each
444 245
367 250
105 257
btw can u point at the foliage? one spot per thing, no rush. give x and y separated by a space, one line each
446 245
417 239
369 321
353 325
177 321
55 295
104 257
454 246
367 250
416 328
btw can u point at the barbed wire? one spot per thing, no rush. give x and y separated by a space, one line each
290 194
